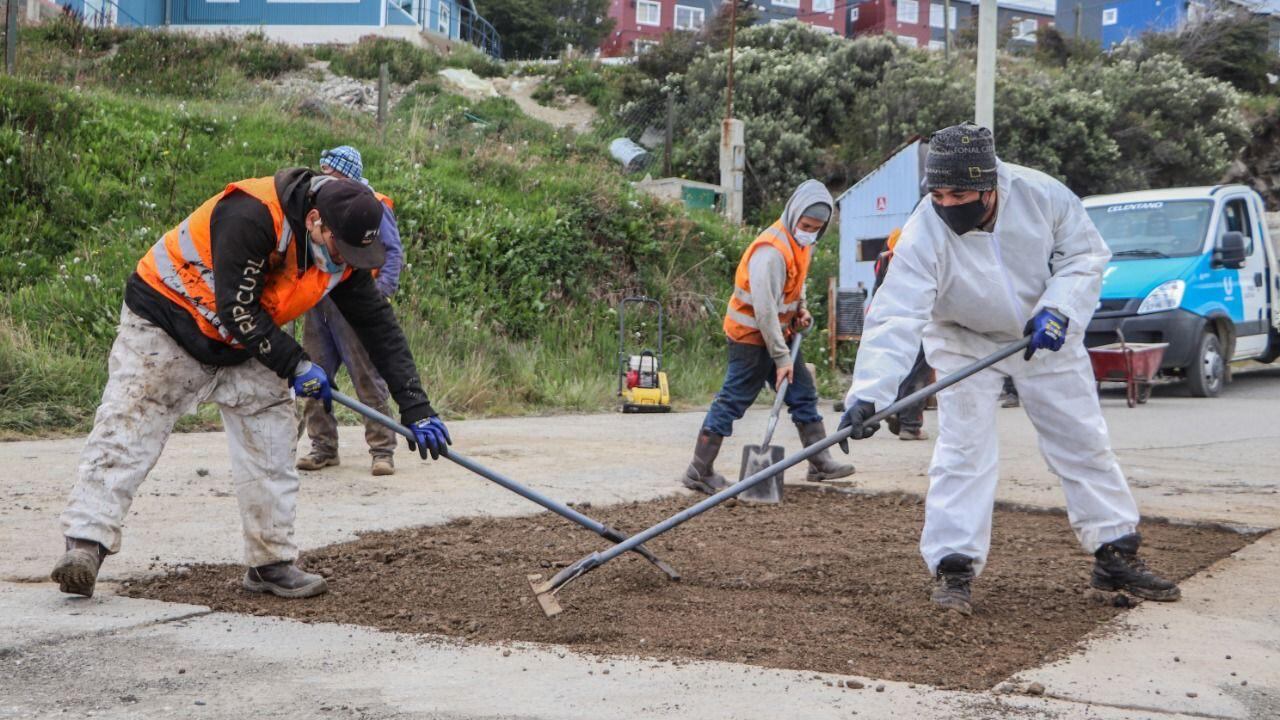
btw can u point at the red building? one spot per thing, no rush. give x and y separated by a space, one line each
639 23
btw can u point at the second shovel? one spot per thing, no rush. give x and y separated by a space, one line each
758 457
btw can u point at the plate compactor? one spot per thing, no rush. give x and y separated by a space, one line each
642 383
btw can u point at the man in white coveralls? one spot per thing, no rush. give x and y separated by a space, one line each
1000 251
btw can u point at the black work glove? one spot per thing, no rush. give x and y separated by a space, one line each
856 418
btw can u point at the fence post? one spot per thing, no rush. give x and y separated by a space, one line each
382 95
11 37
671 126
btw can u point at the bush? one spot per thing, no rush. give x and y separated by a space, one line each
1230 46
260 57
406 62
169 63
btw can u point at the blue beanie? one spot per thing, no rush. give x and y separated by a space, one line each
345 159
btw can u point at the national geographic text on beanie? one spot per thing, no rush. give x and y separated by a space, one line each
962 157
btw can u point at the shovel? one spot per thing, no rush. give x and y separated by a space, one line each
545 591
758 457
559 508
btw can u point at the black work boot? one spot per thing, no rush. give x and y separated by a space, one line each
821 466
77 570
701 475
951 583
1118 567
284 579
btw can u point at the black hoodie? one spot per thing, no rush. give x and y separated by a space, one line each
242 240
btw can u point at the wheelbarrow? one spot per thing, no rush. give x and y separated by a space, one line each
1134 364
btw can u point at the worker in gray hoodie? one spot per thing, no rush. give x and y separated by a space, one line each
766 308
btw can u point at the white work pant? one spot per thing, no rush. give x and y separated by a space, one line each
152 383
1062 404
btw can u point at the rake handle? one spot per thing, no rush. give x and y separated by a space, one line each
596 559
554 506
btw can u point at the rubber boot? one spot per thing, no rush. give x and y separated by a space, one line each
76 572
284 579
1118 567
821 466
951 584
382 466
701 475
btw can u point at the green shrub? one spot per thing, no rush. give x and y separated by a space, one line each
260 57
480 63
406 62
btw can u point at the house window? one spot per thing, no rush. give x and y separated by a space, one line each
908 11
853 15
445 21
1110 16
1027 27
786 3
935 15
689 18
644 46
824 6
648 13
908 41
937 45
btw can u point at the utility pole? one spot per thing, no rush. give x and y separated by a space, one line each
1079 14
733 148
985 90
946 29
11 37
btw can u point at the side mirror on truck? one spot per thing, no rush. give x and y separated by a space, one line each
1231 250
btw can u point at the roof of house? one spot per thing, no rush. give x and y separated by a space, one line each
1040 7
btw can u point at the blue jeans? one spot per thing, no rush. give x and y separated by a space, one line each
750 368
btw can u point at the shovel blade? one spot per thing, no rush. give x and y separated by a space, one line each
754 459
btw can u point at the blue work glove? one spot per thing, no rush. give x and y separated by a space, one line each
856 417
310 381
1048 330
431 437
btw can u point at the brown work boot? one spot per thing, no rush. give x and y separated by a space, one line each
951 584
317 461
913 435
701 474
383 465
76 572
821 466
284 579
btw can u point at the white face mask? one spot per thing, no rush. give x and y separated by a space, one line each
806 238
320 253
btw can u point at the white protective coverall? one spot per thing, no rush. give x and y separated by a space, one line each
152 383
967 296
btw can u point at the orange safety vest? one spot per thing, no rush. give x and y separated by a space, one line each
740 320
180 266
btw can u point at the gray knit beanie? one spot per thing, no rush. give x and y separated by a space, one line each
961 157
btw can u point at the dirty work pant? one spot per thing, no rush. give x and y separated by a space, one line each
1063 406
152 382
331 342
750 368
912 418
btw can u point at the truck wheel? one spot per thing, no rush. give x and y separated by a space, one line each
1207 374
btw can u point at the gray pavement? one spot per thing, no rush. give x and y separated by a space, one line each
1193 460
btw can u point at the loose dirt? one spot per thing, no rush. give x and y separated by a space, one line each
827 582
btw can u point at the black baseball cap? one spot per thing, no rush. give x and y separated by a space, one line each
354 215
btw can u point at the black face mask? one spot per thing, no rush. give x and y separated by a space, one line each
962 218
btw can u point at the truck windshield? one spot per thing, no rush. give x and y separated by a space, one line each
1139 230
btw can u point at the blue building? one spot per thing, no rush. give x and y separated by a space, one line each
1112 22
304 21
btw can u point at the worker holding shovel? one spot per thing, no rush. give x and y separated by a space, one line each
767 302
201 323
1000 252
